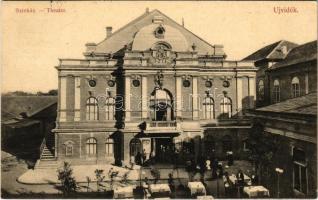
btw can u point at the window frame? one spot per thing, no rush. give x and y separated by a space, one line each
276 91
295 84
109 144
91 144
92 102
261 89
299 165
227 105
206 105
110 108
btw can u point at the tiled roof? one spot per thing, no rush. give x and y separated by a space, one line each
270 51
302 53
306 104
126 34
13 106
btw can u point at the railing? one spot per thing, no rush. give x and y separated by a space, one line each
162 124
42 146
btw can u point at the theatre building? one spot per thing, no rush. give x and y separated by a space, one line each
152 87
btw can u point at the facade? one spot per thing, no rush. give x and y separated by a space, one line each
291 121
155 88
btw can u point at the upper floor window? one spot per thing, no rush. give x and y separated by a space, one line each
261 90
208 108
276 91
109 146
110 108
161 105
295 87
226 107
91 144
91 109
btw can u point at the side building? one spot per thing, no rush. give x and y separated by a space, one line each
290 121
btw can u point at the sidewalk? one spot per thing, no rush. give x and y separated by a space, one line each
81 172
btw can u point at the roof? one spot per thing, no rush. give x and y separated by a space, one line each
126 34
13 106
306 104
271 51
303 53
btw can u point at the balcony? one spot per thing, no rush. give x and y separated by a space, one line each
163 124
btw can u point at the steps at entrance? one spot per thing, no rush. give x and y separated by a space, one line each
47 164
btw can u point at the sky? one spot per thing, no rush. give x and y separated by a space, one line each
31 43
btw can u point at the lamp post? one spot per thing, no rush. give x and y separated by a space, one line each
279 172
217 183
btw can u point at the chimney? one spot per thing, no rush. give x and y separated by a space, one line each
109 30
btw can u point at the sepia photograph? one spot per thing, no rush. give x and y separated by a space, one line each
158 99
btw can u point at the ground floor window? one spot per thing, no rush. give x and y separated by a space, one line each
69 148
299 170
135 147
109 147
91 144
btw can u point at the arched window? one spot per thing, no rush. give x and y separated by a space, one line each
91 144
295 87
261 90
135 147
208 108
109 147
69 148
110 108
161 106
226 107
276 91
91 109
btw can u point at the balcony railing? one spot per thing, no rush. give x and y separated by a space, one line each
162 124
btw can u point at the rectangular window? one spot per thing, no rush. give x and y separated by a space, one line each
69 150
109 149
300 171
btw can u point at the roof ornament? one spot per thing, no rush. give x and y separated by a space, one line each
193 46
182 22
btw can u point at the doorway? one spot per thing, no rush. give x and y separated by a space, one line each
164 150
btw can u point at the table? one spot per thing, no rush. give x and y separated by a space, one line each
256 191
196 188
247 179
159 190
208 197
124 192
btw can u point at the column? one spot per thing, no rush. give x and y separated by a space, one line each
55 144
127 98
144 98
62 99
80 145
239 95
252 91
306 83
178 97
77 95
195 98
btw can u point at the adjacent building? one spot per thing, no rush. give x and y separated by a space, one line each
289 89
156 88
